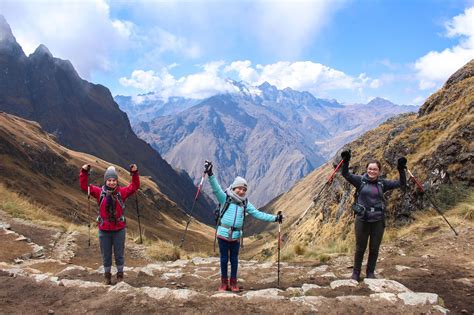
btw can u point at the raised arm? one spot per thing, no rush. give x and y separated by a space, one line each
84 182
402 181
216 188
354 180
134 184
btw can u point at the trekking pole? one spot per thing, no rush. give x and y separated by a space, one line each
192 209
316 198
422 190
89 211
138 212
279 247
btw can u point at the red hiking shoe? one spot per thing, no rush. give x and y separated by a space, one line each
224 285
233 285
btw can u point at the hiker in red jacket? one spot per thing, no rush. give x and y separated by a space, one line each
111 220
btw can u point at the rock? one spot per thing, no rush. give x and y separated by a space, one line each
21 238
306 287
441 309
392 298
40 277
401 268
384 285
329 275
4 225
352 298
417 298
266 265
270 279
343 283
156 293
38 251
205 261
50 312
121 287
184 294
181 263
318 269
269 294
310 301
169 275
71 268
81 284
293 290
18 261
224 295
149 269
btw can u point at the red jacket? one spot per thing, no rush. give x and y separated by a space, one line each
125 192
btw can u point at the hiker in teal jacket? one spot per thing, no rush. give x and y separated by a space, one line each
234 206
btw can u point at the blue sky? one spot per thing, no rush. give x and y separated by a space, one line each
348 50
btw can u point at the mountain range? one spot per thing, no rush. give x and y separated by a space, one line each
83 116
271 137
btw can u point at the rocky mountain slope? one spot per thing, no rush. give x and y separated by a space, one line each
35 166
83 116
269 136
438 142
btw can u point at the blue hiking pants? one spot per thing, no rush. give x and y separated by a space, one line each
115 240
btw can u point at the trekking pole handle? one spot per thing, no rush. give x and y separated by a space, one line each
418 184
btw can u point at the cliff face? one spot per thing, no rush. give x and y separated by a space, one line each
83 116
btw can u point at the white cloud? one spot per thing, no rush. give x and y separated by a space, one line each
81 31
85 33
300 75
285 28
435 67
199 85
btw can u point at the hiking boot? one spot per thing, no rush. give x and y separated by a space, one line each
107 278
355 275
119 276
224 285
370 275
233 285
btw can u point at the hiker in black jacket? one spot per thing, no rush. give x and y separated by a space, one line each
369 207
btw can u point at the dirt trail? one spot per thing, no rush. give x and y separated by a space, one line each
429 274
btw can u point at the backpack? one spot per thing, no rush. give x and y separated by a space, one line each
219 214
103 194
360 209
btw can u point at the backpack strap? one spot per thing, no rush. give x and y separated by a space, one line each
364 182
103 194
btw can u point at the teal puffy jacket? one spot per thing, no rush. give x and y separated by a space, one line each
234 216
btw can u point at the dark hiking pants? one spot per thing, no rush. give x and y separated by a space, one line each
112 240
364 231
227 249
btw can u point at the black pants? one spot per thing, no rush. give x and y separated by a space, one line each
364 230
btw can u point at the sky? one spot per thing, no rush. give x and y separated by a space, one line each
349 50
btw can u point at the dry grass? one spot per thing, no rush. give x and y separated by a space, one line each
22 207
164 251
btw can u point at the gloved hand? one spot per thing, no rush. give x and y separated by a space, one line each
86 167
346 156
279 217
208 168
402 163
133 168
